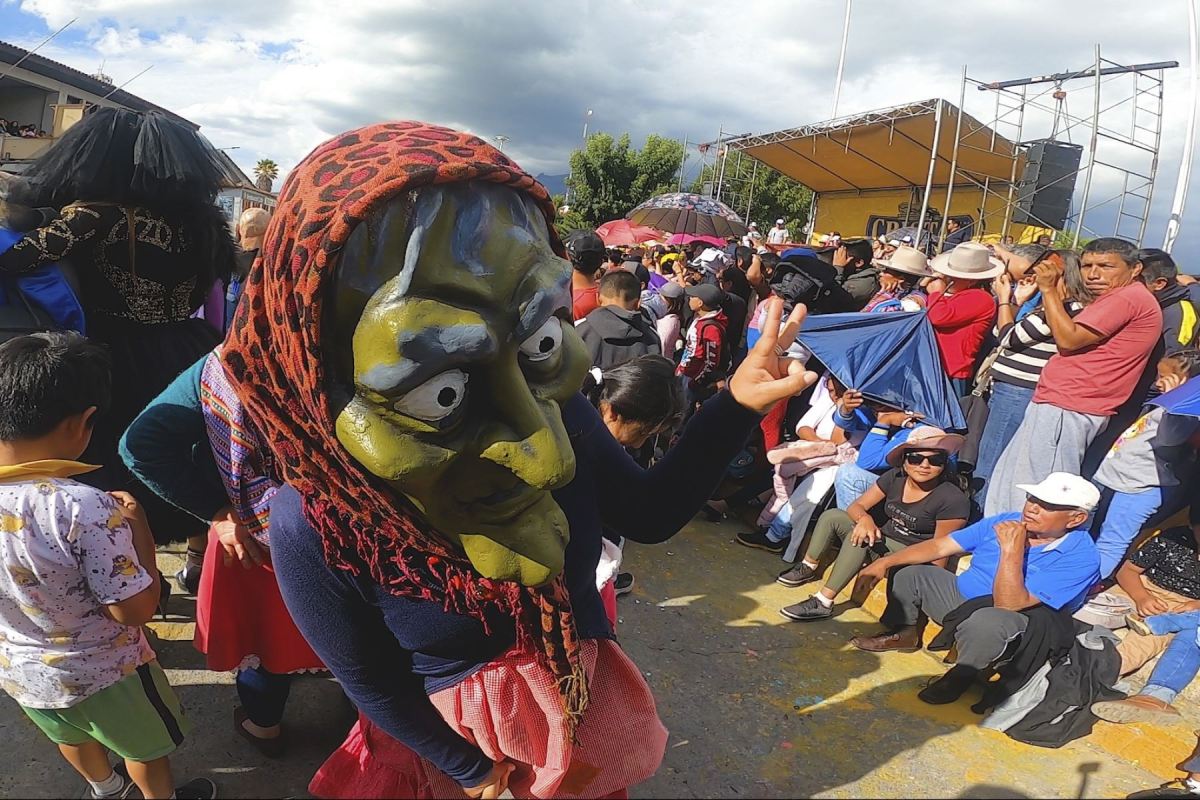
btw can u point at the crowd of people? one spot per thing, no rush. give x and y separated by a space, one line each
365 420
25 131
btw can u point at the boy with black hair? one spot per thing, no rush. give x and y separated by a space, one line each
1161 276
78 579
617 331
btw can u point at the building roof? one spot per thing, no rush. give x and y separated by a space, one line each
40 65
885 149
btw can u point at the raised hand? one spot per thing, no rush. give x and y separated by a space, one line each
767 376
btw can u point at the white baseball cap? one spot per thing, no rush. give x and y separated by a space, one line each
1064 489
753 225
779 221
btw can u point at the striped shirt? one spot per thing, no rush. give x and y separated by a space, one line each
1025 347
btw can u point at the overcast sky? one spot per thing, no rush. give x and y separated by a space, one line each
275 79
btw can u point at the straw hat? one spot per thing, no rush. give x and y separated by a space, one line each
908 260
971 261
926 437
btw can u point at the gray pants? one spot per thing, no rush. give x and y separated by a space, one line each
981 638
1050 439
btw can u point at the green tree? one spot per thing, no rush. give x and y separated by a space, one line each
772 196
609 177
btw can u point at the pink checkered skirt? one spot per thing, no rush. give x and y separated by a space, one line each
511 710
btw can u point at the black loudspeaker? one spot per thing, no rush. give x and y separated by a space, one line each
1043 195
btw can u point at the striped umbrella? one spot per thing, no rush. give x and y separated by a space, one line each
684 212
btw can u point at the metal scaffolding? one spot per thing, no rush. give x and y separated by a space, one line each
733 175
1123 123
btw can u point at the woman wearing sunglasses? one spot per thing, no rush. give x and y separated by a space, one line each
916 500
1026 344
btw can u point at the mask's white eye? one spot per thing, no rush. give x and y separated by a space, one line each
436 398
545 341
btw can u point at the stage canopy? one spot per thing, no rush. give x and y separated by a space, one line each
886 149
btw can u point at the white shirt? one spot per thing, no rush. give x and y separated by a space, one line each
66 551
777 235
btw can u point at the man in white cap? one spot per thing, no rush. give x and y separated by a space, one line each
752 238
1040 556
778 234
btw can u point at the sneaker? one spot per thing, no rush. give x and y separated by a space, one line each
1175 788
797 576
189 578
623 583
759 541
127 787
197 789
1137 624
809 610
1137 708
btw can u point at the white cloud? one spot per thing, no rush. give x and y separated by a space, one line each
274 79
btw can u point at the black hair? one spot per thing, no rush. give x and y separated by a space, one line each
644 391
1157 264
148 160
860 249
674 305
1126 251
621 285
1187 360
743 255
48 377
615 256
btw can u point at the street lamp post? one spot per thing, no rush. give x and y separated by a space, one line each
570 170
500 141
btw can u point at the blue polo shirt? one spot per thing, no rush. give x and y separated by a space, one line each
1058 574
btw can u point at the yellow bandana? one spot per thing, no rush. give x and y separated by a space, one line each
49 468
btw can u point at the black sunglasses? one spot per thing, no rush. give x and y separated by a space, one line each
934 459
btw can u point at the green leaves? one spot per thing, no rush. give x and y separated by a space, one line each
609 177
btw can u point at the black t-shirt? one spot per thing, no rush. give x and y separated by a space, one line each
911 523
1171 562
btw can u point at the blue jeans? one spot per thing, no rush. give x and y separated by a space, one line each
851 482
1181 660
1127 513
1006 409
263 695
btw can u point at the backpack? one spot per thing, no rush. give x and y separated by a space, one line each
44 299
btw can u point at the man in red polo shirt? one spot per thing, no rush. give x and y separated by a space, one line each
1102 353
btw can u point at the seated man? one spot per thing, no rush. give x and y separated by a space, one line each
1042 555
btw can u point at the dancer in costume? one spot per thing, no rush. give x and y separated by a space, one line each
141 227
405 349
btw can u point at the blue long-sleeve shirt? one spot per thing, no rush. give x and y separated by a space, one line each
879 440
390 653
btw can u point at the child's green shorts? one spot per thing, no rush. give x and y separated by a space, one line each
138 717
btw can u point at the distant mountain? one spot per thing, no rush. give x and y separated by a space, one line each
555 184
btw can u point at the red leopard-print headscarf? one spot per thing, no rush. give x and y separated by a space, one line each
274 356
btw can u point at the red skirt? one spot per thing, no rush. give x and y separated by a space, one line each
511 710
241 620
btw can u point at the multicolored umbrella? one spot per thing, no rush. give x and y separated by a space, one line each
684 212
623 233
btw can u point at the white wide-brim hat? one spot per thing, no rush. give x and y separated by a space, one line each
970 261
908 260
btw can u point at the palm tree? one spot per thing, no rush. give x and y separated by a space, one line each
265 172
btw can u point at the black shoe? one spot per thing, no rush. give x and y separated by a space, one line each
949 687
196 789
1176 788
797 576
623 583
810 610
759 541
189 578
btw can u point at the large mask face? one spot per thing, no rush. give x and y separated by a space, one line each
459 365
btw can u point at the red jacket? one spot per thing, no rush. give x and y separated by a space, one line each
705 357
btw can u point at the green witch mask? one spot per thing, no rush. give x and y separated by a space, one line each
459 363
